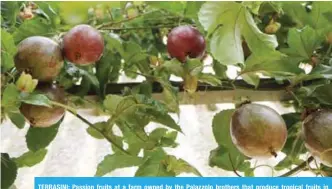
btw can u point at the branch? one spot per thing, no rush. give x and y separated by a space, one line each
101 132
300 167
140 28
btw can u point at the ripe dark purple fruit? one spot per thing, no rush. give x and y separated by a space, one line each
185 41
317 131
258 131
83 45
39 56
42 116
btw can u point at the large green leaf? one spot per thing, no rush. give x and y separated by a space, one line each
117 161
30 158
8 170
35 27
39 138
8 50
228 22
302 43
226 156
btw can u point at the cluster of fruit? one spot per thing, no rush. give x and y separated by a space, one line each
43 59
258 131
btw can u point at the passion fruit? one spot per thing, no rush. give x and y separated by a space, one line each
185 41
83 45
258 131
317 131
42 116
40 57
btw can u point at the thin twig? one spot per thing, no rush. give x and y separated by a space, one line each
300 167
101 132
234 170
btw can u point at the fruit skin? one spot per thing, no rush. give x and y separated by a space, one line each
39 56
258 131
185 41
317 131
83 45
42 116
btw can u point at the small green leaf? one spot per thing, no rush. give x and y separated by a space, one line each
173 67
9 167
111 103
36 99
194 66
179 166
220 69
17 119
170 94
209 79
30 158
154 165
94 133
10 98
39 138
114 43
8 50
117 161
251 79
164 119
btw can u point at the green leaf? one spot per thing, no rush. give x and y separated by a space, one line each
226 156
94 133
114 43
164 119
275 64
302 43
17 119
50 10
227 22
170 94
297 13
34 27
170 6
30 158
220 69
172 67
9 11
36 99
192 8
251 78
8 50
323 94
209 79
154 165
194 66
117 161
179 166
9 167
38 138
10 98
111 103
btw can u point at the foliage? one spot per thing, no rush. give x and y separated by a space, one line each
133 33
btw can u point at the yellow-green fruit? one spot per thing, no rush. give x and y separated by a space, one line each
317 130
258 131
42 116
39 56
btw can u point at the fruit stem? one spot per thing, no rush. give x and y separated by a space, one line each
101 132
302 166
64 106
